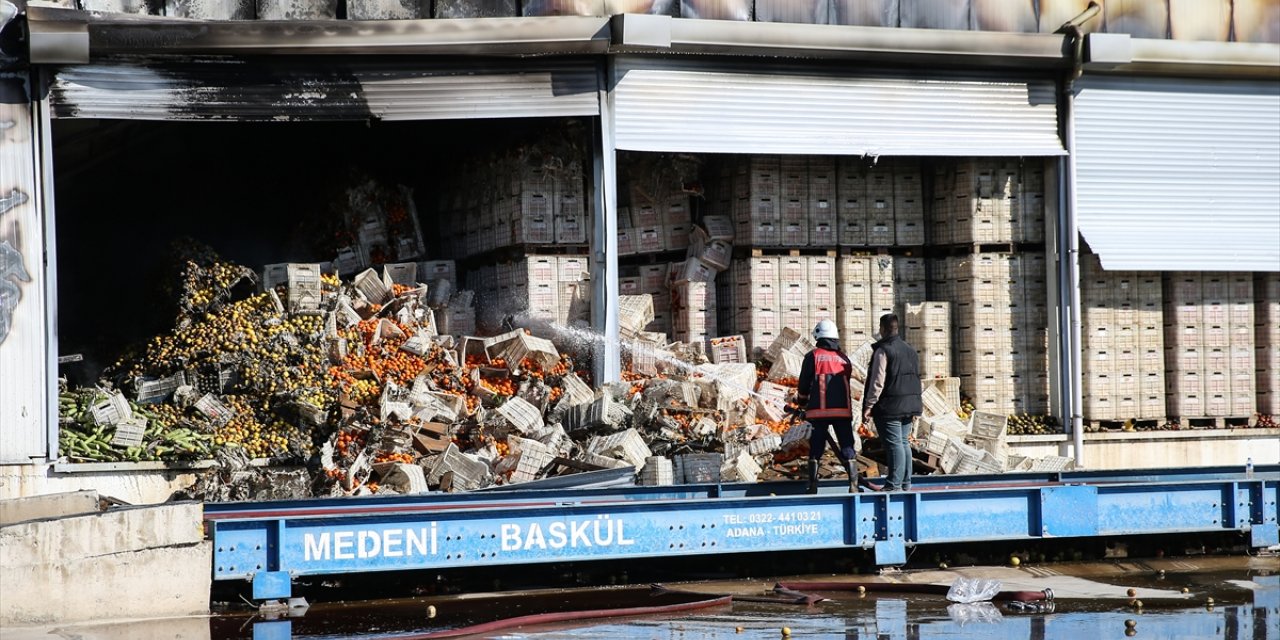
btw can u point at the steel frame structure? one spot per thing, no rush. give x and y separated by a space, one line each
273 542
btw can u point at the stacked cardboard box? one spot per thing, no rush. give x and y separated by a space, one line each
1266 292
650 279
999 313
552 288
654 223
519 201
1209 345
865 291
749 189
820 201
762 294
1123 343
928 331
383 226
693 308
880 204
909 281
987 201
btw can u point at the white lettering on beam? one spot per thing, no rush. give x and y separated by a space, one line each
602 531
342 540
316 547
364 544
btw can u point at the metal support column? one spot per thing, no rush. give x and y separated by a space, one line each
604 237
45 201
1053 252
1073 384
1069 236
1069 282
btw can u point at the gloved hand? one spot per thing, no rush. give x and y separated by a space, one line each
798 412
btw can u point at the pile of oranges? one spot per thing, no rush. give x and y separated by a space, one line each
349 441
500 386
385 360
406 458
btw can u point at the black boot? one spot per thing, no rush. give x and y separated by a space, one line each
851 470
813 477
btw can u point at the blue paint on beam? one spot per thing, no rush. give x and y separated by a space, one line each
271 585
1070 511
431 532
1128 509
957 517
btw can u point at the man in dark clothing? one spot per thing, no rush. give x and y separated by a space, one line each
823 392
892 397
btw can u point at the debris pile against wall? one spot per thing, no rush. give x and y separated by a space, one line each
354 380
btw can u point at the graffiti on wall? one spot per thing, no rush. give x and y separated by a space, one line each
13 271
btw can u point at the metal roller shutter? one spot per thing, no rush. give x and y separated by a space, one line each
1179 175
689 106
272 90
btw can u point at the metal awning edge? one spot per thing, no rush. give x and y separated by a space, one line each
64 36
1242 60
952 48
105 35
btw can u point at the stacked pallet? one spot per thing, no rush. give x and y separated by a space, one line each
987 202
762 294
551 288
1209 347
535 200
1122 349
1266 293
999 314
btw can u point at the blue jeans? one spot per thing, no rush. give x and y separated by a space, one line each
893 433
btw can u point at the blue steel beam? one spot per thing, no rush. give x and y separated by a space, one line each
503 500
270 549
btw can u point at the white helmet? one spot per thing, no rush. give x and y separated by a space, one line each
826 329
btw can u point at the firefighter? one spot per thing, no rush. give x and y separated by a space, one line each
824 396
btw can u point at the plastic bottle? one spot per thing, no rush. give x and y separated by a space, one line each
1248 468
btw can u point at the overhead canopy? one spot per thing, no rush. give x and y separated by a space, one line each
305 89
702 107
1179 175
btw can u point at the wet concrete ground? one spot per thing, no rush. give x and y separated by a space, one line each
1092 603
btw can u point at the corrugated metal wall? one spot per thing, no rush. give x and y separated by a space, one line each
22 305
1179 175
270 90
677 105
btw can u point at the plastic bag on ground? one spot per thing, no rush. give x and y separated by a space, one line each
979 612
970 590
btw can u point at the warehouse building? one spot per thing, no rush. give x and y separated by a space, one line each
1076 210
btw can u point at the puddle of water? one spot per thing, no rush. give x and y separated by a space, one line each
1246 607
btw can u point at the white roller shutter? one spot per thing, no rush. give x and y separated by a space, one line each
1179 175
698 107
272 90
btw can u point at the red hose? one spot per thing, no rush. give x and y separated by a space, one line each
899 587
547 618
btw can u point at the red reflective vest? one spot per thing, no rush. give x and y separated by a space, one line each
824 384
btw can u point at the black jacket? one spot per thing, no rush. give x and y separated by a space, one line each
900 397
